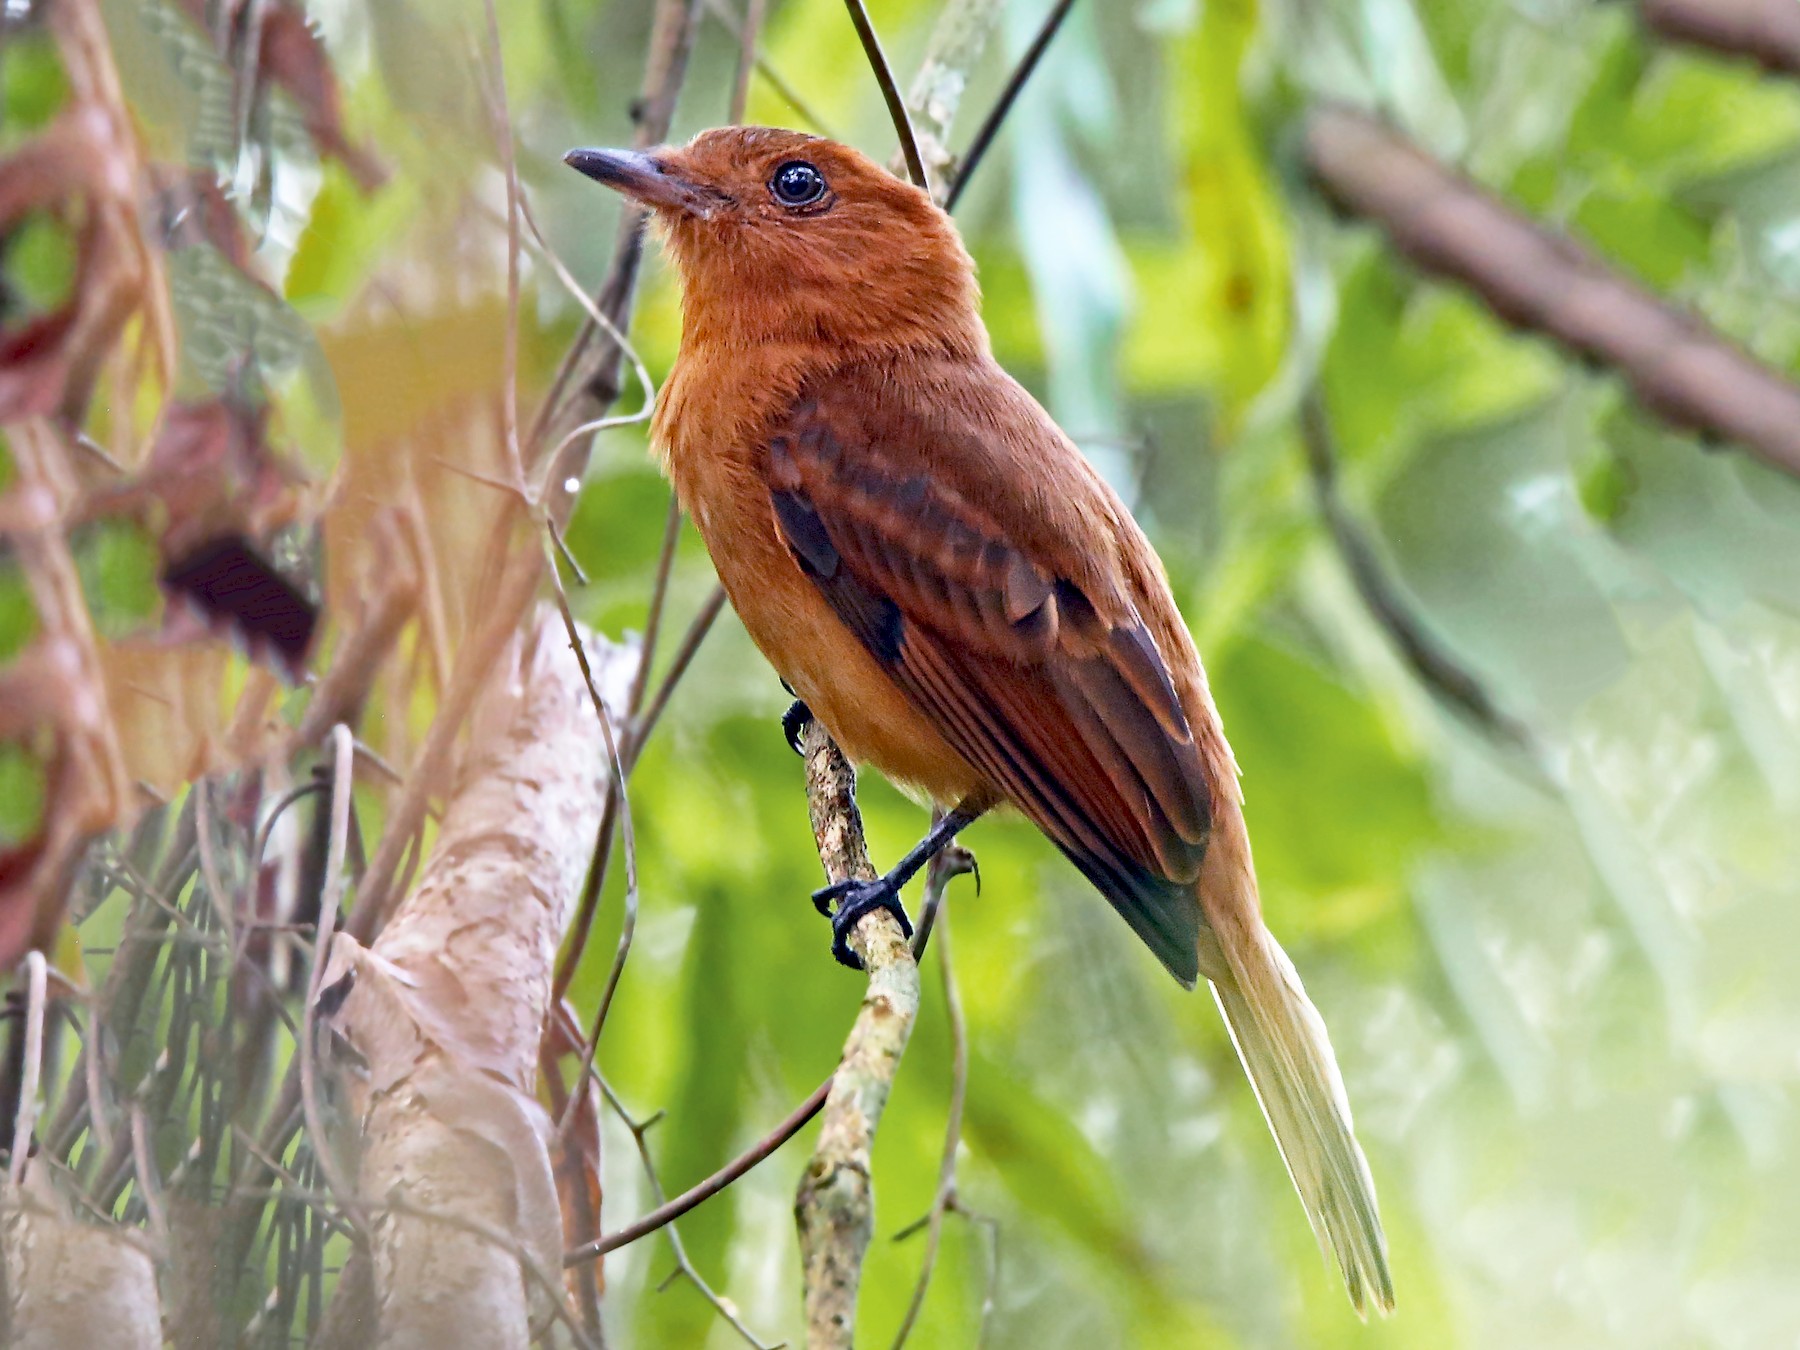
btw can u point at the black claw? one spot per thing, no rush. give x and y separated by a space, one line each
826 896
794 723
856 899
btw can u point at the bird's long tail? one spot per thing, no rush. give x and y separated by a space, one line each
1282 1042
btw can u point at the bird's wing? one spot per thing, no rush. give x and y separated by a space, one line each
1067 710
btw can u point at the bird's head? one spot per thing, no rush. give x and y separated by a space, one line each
784 237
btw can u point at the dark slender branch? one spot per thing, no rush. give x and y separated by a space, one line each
659 596
684 656
890 93
1435 667
1015 85
950 862
718 1181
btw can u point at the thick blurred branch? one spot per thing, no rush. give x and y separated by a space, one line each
70 1281
1544 281
1767 31
447 1007
835 1207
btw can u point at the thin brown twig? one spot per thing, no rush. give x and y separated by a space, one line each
671 1210
588 377
782 86
618 792
637 735
513 490
659 595
952 861
588 907
358 657
499 607
149 1184
597 316
748 33
93 1072
991 1291
683 1265
562 551
890 93
684 655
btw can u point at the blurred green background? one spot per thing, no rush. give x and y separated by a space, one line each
1558 968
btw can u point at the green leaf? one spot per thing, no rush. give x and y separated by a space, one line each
118 562
22 786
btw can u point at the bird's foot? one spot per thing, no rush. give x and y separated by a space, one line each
855 899
794 723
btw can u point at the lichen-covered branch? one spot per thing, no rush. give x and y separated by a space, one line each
835 1206
957 41
1544 281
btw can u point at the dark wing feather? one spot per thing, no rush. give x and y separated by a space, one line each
1073 717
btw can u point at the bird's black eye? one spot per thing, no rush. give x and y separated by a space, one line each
797 183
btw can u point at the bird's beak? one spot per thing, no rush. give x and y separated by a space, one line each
645 178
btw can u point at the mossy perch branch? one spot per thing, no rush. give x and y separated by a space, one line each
835 1207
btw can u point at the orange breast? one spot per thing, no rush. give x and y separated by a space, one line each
712 449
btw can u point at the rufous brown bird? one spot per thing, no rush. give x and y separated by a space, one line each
962 601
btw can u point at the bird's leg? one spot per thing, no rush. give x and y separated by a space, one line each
856 897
